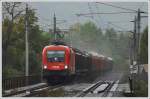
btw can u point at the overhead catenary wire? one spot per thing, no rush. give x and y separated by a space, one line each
107 21
84 14
119 7
122 21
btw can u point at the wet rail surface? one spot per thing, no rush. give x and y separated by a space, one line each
103 86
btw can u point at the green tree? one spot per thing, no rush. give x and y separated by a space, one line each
9 19
144 47
15 45
11 34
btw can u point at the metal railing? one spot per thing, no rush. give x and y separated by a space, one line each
16 82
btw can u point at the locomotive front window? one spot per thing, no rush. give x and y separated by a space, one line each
55 56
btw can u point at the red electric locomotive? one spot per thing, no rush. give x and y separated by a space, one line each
62 60
58 60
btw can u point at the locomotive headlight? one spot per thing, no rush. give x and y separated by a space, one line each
45 67
66 66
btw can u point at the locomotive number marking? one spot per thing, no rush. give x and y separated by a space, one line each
56 67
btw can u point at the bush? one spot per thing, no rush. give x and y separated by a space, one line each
9 71
140 88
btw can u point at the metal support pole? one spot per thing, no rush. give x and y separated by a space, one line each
26 45
131 84
138 38
131 51
134 39
134 44
55 27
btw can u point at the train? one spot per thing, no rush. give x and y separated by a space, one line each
65 61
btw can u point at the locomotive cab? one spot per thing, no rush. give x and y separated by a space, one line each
58 60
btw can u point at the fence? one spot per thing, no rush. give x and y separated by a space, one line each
16 82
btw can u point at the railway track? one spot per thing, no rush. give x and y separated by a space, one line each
45 91
33 90
100 88
26 91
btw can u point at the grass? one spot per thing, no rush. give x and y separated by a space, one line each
57 93
140 88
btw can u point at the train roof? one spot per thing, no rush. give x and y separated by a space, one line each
100 55
109 58
96 54
62 46
84 53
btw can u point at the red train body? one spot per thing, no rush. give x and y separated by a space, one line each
58 60
65 61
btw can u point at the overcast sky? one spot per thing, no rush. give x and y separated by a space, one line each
68 10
